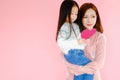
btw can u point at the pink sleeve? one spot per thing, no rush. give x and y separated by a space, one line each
100 53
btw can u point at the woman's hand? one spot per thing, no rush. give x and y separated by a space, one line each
88 69
78 70
73 70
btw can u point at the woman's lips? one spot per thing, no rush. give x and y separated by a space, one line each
89 24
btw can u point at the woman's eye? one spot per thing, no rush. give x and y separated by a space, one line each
93 16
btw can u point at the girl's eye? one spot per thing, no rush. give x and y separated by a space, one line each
74 14
71 13
85 17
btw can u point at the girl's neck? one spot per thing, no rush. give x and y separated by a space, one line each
68 22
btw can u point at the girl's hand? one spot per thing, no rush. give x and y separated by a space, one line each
83 41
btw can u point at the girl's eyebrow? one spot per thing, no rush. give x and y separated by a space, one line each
74 11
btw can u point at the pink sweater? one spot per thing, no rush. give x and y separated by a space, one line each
96 51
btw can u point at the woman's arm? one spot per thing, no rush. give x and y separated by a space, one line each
100 53
98 62
75 69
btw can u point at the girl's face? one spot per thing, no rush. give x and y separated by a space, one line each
73 15
89 19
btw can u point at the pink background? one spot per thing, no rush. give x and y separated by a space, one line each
28 50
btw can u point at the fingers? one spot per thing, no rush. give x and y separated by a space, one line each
70 70
81 70
88 70
94 67
73 71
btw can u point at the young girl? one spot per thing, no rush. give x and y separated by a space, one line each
69 40
89 19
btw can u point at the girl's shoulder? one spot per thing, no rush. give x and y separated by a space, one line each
75 25
65 26
68 24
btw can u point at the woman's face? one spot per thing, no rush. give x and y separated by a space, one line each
89 19
74 13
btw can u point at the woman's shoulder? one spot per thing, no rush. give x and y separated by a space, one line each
100 36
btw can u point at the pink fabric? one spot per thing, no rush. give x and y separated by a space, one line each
87 33
96 51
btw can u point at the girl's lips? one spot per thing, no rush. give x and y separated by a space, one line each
89 24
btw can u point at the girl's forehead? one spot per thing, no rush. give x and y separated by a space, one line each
74 8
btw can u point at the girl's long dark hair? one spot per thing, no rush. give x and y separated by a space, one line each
65 10
82 11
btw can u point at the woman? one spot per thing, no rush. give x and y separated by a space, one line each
96 49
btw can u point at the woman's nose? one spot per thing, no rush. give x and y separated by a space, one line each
89 19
